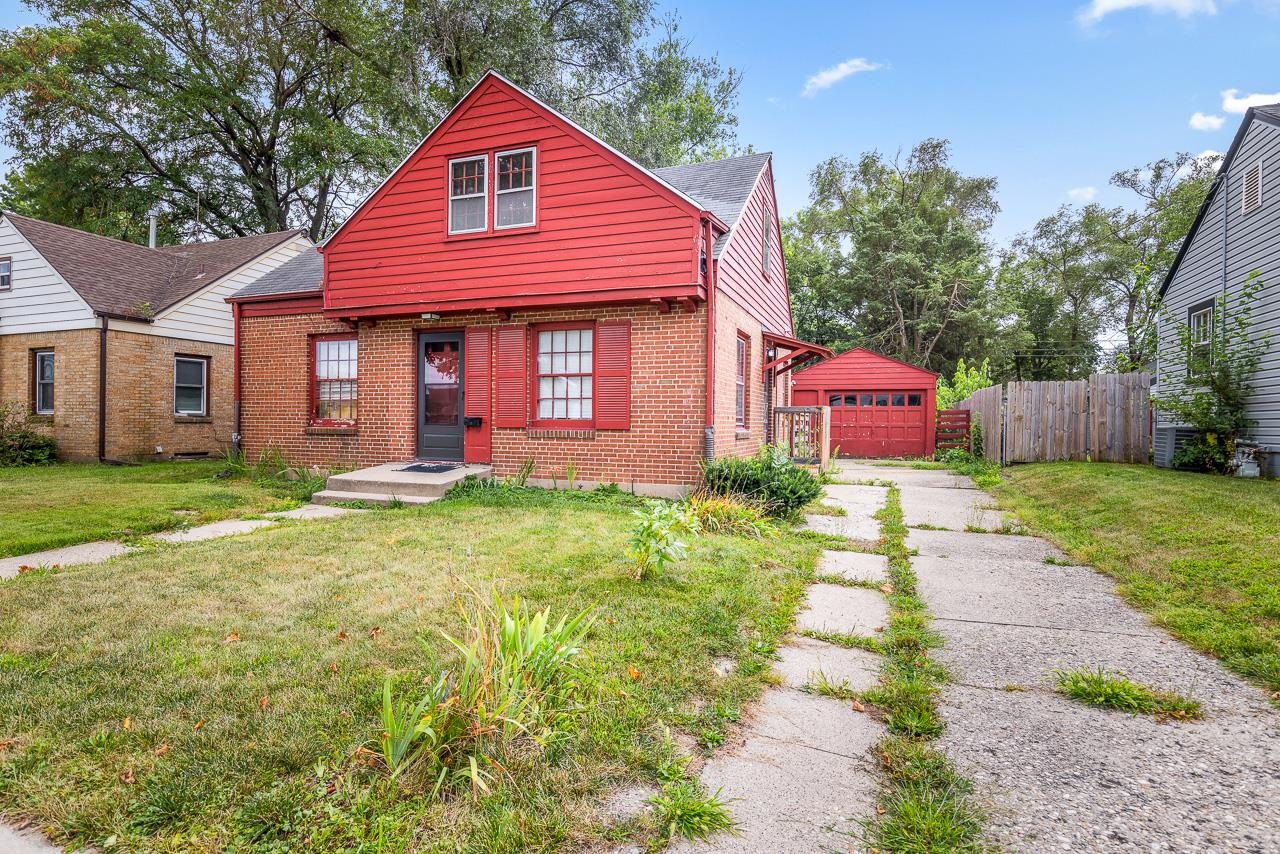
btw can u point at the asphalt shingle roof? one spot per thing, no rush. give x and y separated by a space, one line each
301 274
123 279
720 186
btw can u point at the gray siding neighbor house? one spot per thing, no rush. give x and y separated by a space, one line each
1236 231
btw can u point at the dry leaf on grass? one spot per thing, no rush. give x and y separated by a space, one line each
375 631
128 776
632 672
341 636
858 707
161 750
264 702
199 726
232 638
127 723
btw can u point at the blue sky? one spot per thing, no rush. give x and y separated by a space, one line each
1049 97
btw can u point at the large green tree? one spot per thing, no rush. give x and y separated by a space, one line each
892 254
241 117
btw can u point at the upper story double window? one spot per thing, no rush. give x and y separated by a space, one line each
513 195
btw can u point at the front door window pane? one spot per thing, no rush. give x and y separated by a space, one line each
440 378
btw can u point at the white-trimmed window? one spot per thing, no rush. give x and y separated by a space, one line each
42 382
6 273
468 195
742 360
1200 322
190 385
565 363
1251 188
334 380
514 202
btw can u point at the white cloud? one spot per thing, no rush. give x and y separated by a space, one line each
1099 9
1233 102
1082 194
1202 121
828 77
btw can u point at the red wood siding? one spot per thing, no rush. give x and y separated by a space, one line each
605 230
740 272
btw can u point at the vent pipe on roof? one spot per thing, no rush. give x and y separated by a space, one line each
151 230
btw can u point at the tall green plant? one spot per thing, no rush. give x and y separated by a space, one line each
1216 379
657 541
967 379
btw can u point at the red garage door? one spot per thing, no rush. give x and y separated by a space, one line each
878 423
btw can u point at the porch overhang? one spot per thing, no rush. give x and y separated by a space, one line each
799 353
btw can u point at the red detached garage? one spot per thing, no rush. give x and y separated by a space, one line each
880 407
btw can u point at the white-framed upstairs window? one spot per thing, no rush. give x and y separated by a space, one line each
191 386
6 273
1200 324
1251 188
468 195
515 190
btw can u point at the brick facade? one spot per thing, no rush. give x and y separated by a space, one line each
139 393
662 446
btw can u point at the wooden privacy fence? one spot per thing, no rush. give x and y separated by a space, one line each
953 429
1105 418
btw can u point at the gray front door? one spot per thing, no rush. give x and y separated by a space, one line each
440 395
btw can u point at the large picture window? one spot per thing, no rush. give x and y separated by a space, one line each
468 195
334 380
564 365
190 385
42 385
513 197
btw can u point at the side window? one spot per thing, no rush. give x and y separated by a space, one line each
468 195
190 385
1200 322
6 274
42 385
742 363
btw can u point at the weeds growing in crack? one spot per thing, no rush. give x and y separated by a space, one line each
925 805
1106 690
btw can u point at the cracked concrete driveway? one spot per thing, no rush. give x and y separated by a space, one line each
1053 774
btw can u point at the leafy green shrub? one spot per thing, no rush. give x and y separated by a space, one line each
729 514
657 539
769 479
515 688
20 443
967 380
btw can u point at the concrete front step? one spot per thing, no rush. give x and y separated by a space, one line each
382 499
391 479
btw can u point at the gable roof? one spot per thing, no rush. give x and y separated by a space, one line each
1269 113
855 354
301 274
126 280
457 108
720 186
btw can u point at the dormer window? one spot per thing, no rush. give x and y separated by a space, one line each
6 273
513 197
468 195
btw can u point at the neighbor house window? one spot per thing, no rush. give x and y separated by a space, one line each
468 195
6 273
190 385
565 364
43 384
334 380
513 197
740 381
1200 322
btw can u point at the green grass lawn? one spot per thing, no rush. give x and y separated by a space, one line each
250 669
1200 553
50 506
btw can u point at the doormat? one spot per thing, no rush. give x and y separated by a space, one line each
432 468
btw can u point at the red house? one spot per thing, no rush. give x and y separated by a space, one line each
880 407
518 290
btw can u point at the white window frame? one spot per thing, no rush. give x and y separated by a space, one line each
204 387
6 278
1245 208
534 187
53 384
1207 328
483 194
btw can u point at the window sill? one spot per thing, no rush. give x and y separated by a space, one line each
192 419
41 418
331 430
560 433
741 434
492 232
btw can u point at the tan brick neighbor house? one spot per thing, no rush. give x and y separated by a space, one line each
82 314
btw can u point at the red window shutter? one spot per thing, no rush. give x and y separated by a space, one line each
613 375
477 359
512 408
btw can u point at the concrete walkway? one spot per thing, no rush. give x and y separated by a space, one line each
1051 773
103 550
800 772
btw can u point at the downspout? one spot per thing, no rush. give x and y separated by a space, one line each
235 377
709 429
102 390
